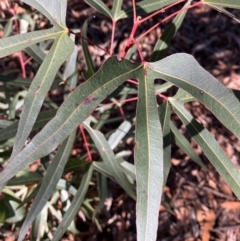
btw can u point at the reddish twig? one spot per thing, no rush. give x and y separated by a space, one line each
167 18
86 144
112 38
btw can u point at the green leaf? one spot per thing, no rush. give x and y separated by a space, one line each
73 111
183 96
163 43
222 10
55 10
102 190
147 6
129 170
185 72
228 171
106 153
148 161
49 183
181 141
164 115
119 134
223 3
90 67
9 203
75 164
41 121
75 205
19 42
25 178
15 80
116 9
100 6
71 63
39 88
160 88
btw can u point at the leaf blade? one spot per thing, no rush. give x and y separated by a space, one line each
108 157
191 77
228 3
19 42
73 111
162 44
75 205
55 10
164 116
148 161
39 88
211 148
49 183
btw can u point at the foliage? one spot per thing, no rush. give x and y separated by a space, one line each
154 130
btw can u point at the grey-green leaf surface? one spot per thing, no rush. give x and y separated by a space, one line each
116 9
90 67
55 10
181 141
75 204
42 120
25 178
224 3
19 42
39 88
119 134
183 96
185 72
147 6
163 43
100 6
49 183
164 116
148 160
102 191
108 157
73 111
228 171
222 10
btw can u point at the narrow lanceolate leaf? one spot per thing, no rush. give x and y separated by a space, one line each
147 6
73 111
19 42
222 10
75 205
102 191
163 43
185 72
211 148
55 10
223 3
39 88
108 157
41 121
148 161
90 67
181 141
38 55
164 115
100 6
49 183
25 178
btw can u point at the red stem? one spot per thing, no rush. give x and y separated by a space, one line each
112 38
160 11
167 18
86 144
